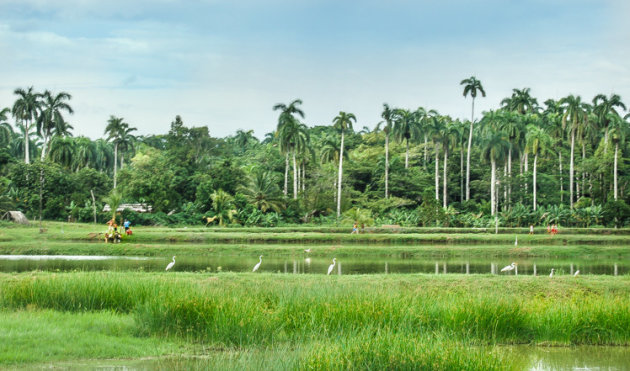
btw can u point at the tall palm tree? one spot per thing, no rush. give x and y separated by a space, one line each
342 122
117 131
603 107
388 116
538 142
406 127
51 118
293 138
25 110
103 155
62 151
618 130
495 145
85 153
471 86
448 138
574 115
553 121
287 117
126 143
435 129
521 101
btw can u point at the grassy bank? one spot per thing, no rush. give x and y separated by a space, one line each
239 310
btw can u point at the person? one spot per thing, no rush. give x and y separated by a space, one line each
531 229
554 229
126 224
355 228
548 229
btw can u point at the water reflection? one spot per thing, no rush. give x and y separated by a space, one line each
568 358
315 265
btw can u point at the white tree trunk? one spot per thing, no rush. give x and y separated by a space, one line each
445 181
294 177
461 172
339 178
437 171
386 165
27 156
44 146
493 180
470 135
561 185
526 166
407 156
299 177
571 169
115 162
615 170
303 177
534 179
426 158
286 174
509 185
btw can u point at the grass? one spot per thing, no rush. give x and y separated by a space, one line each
144 235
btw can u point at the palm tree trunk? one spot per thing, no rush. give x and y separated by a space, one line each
386 165
437 170
339 178
509 185
615 170
461 172
470 135
299 177
583 172
526 166
534 179
115 162
426 158
27 158
561 185
493 180
445 181
407 155
286 174
303 177
294 177
43 156
571 169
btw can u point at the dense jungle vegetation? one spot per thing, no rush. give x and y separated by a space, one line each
563 161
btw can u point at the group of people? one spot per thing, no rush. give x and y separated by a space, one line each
552 229
113 235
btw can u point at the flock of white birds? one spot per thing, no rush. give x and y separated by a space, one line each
511 267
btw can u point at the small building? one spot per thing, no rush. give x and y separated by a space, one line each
139 208
15 216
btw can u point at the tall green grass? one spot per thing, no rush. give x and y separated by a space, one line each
251 310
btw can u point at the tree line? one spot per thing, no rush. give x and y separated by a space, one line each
415 167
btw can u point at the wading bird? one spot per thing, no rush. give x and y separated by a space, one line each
516 241
331 266
509 267
576 273
552 270
257 265
171 264
307 250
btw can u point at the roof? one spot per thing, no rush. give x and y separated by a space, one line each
141 208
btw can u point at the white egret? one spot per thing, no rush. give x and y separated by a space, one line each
552 270
330 268
257 265
576 273
516 241
307 250
509 267
171 264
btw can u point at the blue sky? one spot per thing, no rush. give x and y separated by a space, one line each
226 63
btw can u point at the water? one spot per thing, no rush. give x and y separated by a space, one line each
518 357
358 264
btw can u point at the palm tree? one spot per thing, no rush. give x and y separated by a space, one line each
495 145
287 117
103 155
521 101
25 110
85 153
435 130
388 116
406 126
618 131
118 132
603 107
51 118
126 143
342 122
6 131
471 86
223 206
447 135
62 151
262 191
538 142
553 117
575 114
293 138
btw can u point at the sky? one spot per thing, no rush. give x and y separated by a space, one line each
225 64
